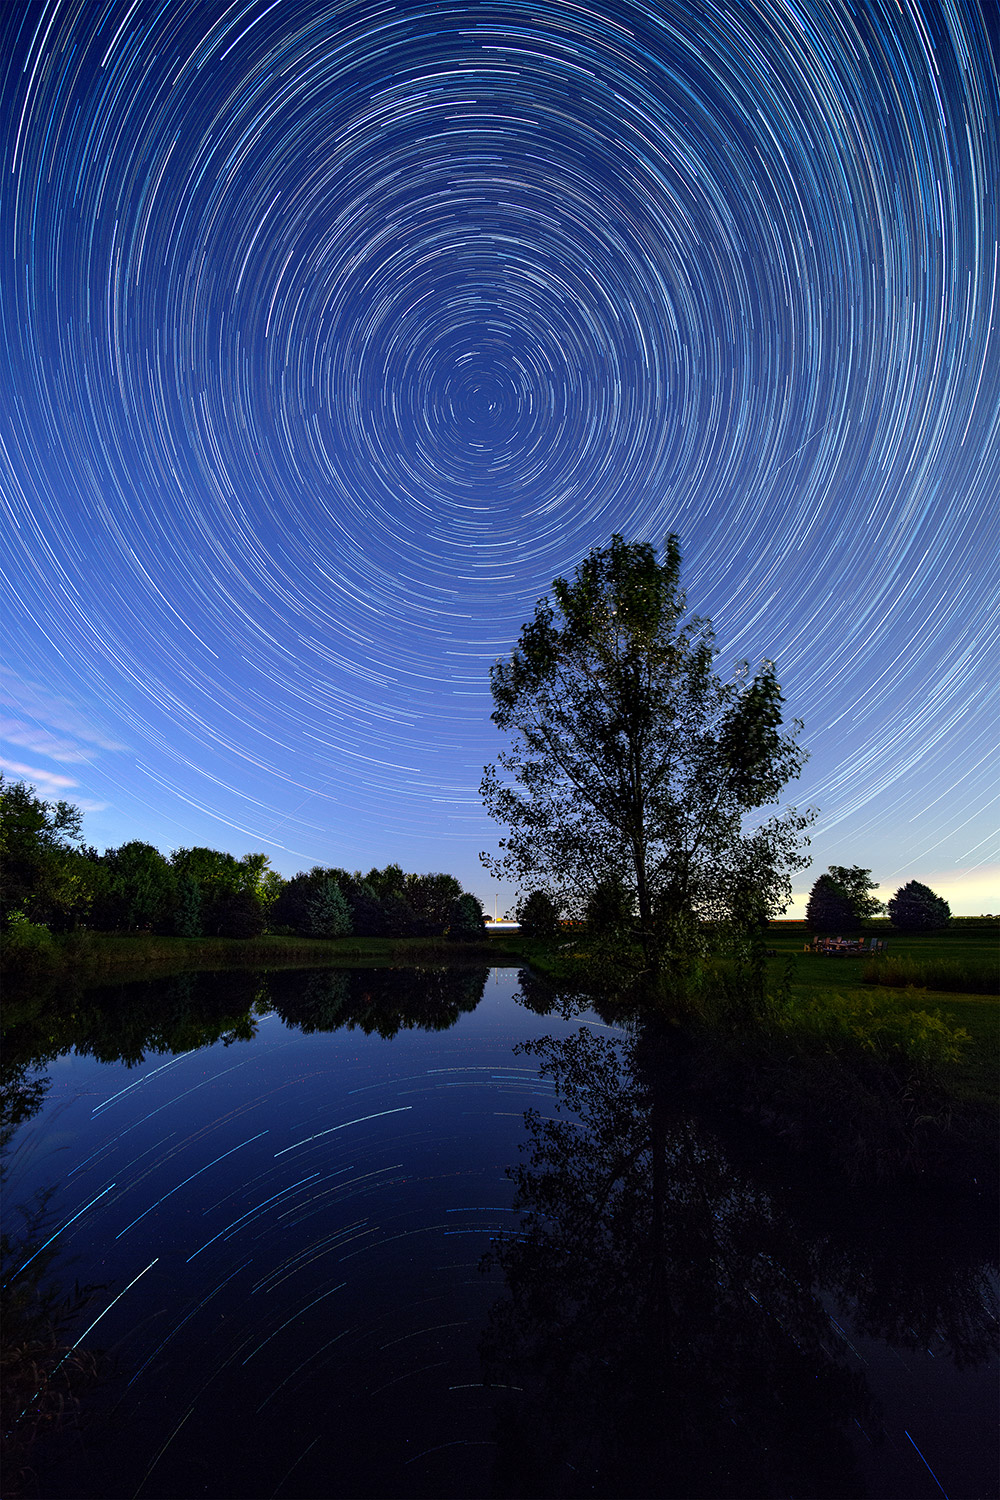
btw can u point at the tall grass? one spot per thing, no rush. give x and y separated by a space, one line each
959 976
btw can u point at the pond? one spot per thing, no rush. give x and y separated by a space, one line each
285 1187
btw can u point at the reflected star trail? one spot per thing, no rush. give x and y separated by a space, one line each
332 332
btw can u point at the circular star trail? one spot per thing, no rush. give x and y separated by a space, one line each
333 332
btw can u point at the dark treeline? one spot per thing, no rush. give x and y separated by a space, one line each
50 878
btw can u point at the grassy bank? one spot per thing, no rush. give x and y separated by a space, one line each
90 957
883 1076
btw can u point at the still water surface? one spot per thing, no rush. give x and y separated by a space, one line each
290 1221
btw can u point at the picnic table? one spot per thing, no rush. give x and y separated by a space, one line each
845 947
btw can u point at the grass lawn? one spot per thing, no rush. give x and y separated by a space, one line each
977 1078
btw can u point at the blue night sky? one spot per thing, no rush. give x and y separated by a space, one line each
331 333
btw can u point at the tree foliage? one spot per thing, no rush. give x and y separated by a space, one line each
916 908
632 760
538 914
841 900
140 889
466 920
328 914
43 871
858 885
829 907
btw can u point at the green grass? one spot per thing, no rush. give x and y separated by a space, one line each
976 1078
90 957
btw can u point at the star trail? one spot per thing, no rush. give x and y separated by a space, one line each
333 332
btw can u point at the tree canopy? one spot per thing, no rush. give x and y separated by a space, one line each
916 908
841 899
632 760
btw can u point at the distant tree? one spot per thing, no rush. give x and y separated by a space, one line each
829 908
328 914
44 872
916 908
610 907
187 907
291 906
140 890
400 918
368 917
221 879
466 918
841 900
857 885
239 914
431 898
388 882
538 914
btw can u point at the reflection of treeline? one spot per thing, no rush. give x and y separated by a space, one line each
383 1001
50 880
128 1022
666 1324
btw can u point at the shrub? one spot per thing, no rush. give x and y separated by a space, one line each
917 1039
28 948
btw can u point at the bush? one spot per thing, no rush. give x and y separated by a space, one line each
917 1039
28 948
916 908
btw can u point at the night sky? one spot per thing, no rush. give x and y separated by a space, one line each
332 333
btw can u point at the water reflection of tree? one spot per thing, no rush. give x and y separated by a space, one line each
664 1329
382 1001
44 1376
127 1022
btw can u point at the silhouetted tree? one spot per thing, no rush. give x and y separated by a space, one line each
857 885
466 919
538 915
632 758
43 871
916 908
829 908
